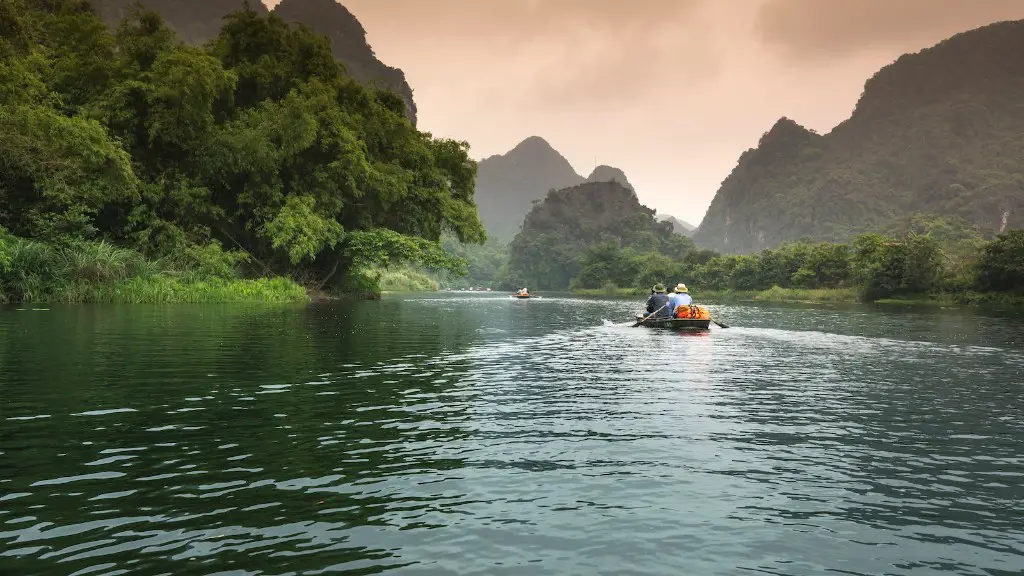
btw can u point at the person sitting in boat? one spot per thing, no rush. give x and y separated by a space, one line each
680 297
657 304
523 292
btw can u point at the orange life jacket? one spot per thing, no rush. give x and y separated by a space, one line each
692 312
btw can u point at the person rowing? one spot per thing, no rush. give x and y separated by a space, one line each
658 303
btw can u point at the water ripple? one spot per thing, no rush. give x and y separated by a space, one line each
484 435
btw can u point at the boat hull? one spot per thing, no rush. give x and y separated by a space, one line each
676 323
521 297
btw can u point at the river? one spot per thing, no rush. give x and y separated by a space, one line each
477 434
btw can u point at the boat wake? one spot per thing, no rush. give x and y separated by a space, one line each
609 324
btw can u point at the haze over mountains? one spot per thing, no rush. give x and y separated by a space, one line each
508 184
197 21
940 131
679 226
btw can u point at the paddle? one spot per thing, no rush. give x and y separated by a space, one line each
719 324
644 319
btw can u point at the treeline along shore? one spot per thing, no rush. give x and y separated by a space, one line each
915 267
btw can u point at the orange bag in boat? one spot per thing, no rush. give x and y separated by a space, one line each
692 312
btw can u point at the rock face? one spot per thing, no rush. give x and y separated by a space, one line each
198 21
940 132
348 43
508 185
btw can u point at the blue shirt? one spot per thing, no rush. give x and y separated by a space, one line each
678 299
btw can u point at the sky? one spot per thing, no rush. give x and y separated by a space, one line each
670 91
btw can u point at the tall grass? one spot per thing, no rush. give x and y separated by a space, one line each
37 272
406 279
777 294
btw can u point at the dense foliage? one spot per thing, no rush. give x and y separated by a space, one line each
939 131
98 271
874 265
199 21
547 253
258 143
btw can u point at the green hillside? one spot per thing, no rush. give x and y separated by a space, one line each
940 132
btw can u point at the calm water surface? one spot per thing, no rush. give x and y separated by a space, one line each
475 434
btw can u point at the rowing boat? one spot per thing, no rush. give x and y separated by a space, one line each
521 295
675 323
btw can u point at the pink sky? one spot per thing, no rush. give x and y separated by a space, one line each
670 91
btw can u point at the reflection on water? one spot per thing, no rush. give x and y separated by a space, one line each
479 435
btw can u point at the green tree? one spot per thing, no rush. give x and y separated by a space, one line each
259 142
1001 267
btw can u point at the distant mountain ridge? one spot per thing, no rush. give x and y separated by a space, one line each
940 131
507 185
679 226
198 21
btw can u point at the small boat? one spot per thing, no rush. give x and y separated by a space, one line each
675 323
521 295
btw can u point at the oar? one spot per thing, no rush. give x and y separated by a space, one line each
719 324
644 319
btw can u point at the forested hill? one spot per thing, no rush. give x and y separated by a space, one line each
255 155
198 21
558 230
940 131
508 185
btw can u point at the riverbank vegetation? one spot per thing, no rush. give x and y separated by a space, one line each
405 278
257 152
930 265
102 272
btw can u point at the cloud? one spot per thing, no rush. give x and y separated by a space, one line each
566 52
824 29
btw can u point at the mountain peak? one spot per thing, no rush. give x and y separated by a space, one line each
605 173
533 143
507 184
783 132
